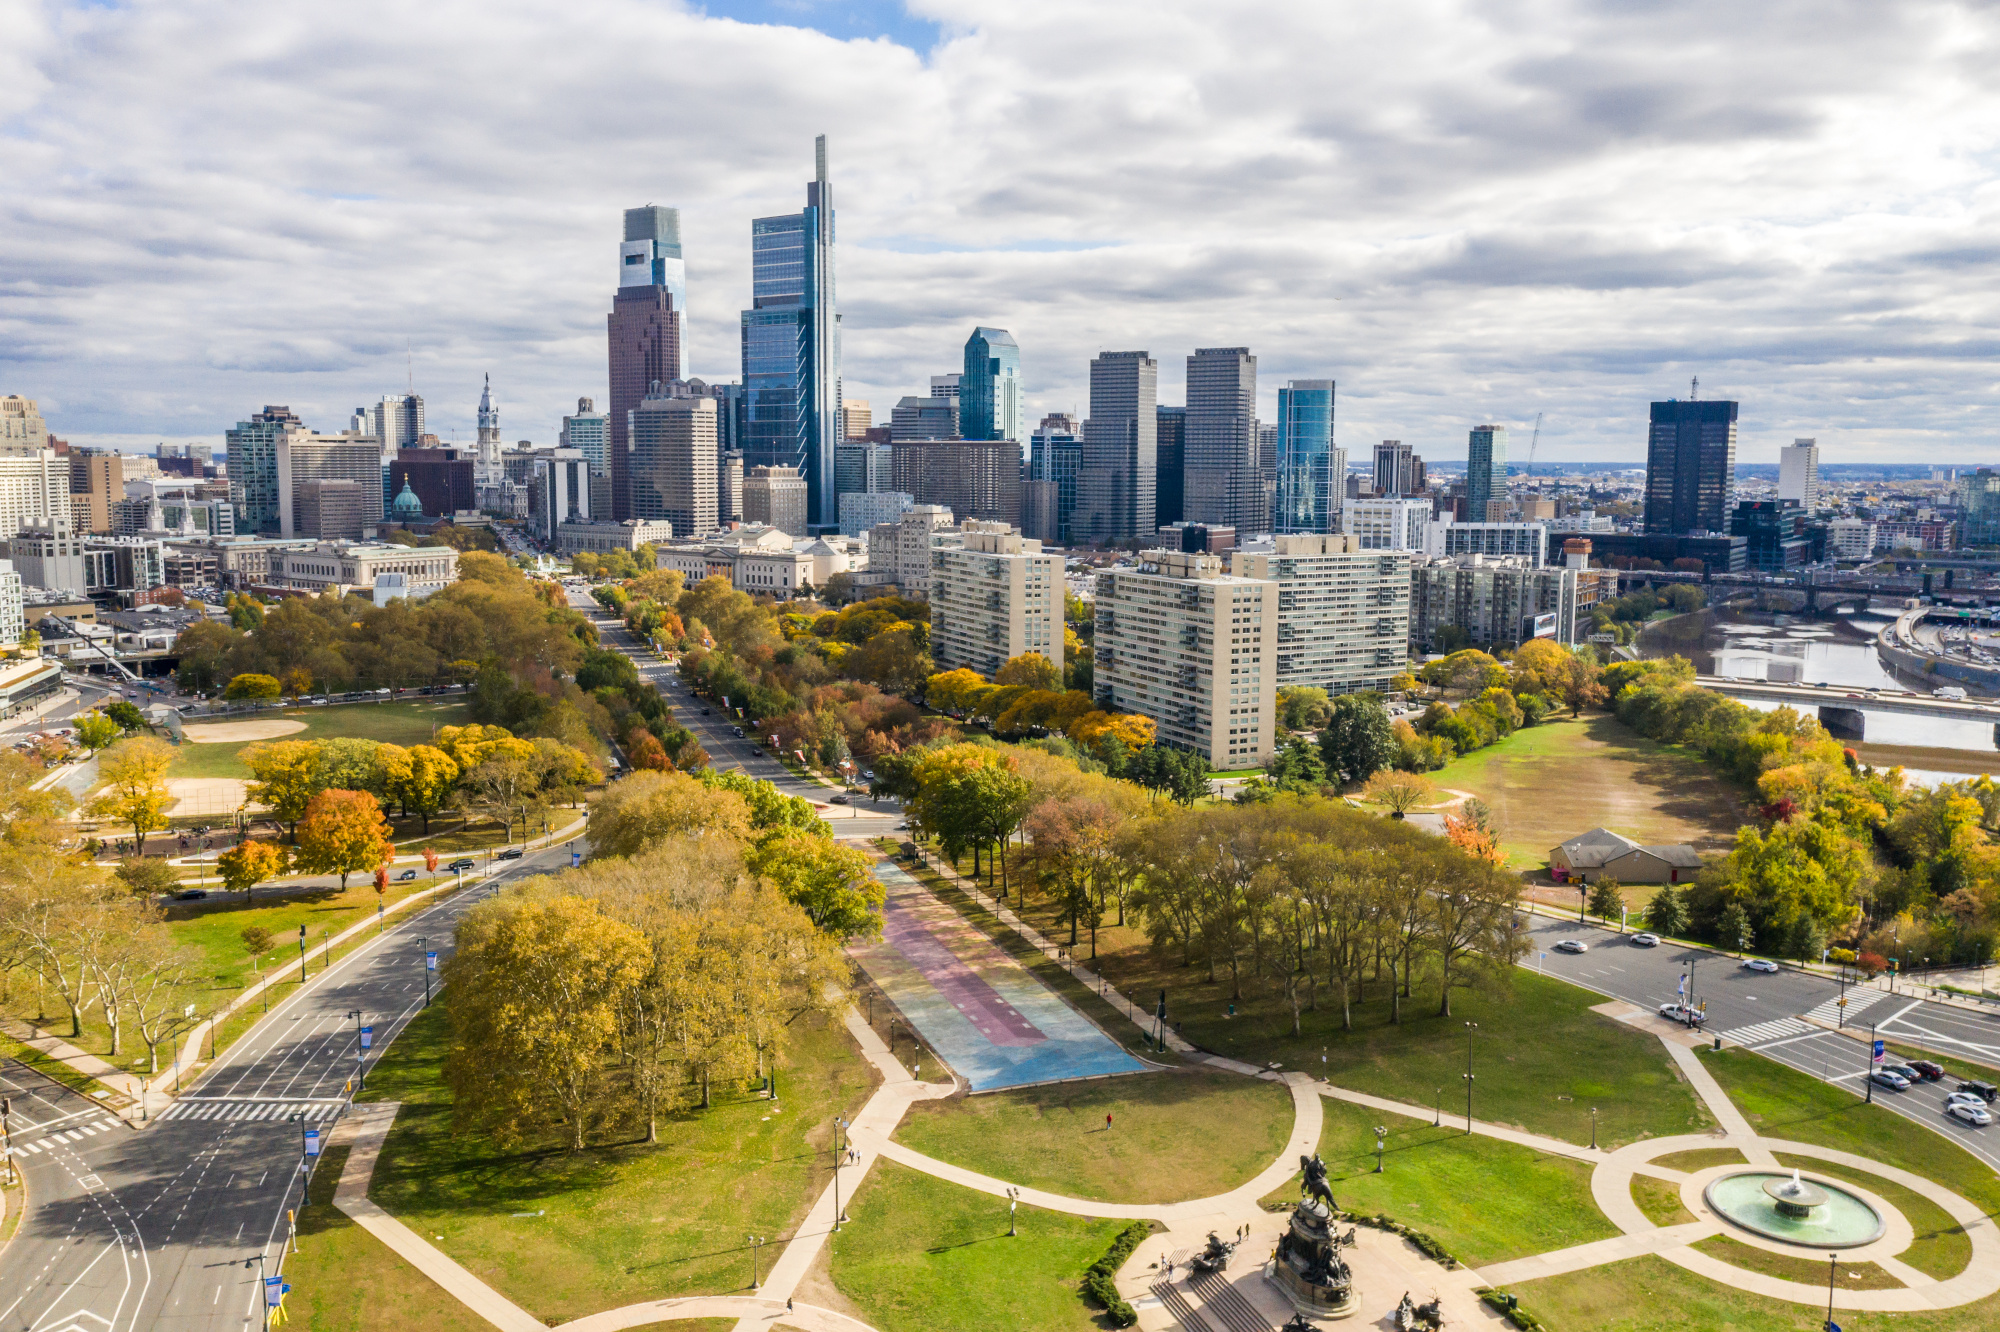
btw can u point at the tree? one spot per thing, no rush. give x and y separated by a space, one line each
1667 912
127 715
94 730
646 752
1399 792
256 939
135 792
157 990
253 687
285 778
297 681
1607 899
1180 774
1031 669
649 807
1296 766
419 778
250 863
833 884
1357 740
1733 929
146 879
1094 729
1303 707
343 832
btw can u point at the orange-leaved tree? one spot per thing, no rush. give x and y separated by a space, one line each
343 832
249 863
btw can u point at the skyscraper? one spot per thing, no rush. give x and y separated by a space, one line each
989 391
1220 452
1117 479
1311 471
253 467
791 346
397 422
588 431
1690 466
1393 471
1798 473
646 330
673 459
1485 470
1169 466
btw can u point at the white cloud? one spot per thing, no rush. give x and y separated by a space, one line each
1459 212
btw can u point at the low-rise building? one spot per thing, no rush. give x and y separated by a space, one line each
48 554
1602 854
1343 612
1850 538
354 567
994 597
1194 649
603 535
1498 604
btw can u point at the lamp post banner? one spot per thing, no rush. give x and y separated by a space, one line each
368 1038
1880 1049
312 1142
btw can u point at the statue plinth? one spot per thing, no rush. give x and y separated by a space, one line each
1308 1267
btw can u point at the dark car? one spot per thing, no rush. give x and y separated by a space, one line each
461 863
406 876
1929 1071
1904 1071
511 853
191 895
704 712
837 800
1882 1077
1985 1091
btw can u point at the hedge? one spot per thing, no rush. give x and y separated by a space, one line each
1098 1284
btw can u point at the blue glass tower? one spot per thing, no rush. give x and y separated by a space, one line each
791 347
1312 473
989 392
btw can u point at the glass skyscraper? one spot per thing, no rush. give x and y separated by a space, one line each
791 347
1485 470
989 392
1312 473
646 329
1690 466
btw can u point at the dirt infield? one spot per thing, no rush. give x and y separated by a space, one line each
207 796
235 733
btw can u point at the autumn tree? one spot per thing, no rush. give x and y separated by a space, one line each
1398 792
343 832
833 884
420 778
95 731
285 776
135 785
648 807
1030 669
253 687
250 863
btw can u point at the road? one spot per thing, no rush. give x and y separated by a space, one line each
163 1227
1766 1012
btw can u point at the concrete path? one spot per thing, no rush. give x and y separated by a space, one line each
126 1084
1597 1253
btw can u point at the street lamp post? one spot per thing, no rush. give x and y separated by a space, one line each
1593 1128
1868 1076
1470 1028
1437 1111
302 955
1381 1134
1013 1202
300 1120
756 1242
360 1069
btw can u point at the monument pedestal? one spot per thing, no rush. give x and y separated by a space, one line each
1308 1267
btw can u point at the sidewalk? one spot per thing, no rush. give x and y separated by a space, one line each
120 1081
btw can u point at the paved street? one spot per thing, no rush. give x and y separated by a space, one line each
1766 1012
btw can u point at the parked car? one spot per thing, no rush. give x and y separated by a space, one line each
1905 1072
1572 946
462 863
1931 1072
1882 1077
406 876
1679 1012
1970 1112
511 853
191 895
1985 1091
1953 1098
704 712
838 800
1645 939
1759 964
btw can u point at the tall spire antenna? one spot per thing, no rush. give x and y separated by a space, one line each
1694 390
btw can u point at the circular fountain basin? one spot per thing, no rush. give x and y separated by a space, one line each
1820 1215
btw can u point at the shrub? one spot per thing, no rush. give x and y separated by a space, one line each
1098 1283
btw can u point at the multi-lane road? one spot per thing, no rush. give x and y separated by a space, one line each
1767 1012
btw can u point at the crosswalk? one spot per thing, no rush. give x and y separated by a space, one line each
245 1111
1858 1001
1775 1030
73 1132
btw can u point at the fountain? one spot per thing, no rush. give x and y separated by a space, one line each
1814 1213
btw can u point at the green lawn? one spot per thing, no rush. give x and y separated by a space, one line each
1660 1201
1796 1267
1941 1249
1547 783
1650 1294
1485 1200
393 723
564 1234
345 1280
1700 1159
922 1255
1162 1145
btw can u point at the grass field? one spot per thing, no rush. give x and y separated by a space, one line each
392 723
1162 1146
345 1280
1660 1201
1700 1159
565 1234
1548 783
1796 1267
922 1255
1485 1200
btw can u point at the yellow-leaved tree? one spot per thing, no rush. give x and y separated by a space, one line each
419 778
285 776
135 792
248 864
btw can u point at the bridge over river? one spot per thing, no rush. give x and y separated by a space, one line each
1843 711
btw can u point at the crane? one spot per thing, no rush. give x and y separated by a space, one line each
1533 440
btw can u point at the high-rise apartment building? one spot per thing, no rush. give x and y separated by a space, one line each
994 597
1498 604
1117 483
916 417
1485 470
974 478
1311 471
903 548
589 433
1170 466
671 461
22 429
646 332
1387 524
791 346
776 497
396 422
862 467
1220 461
989 391
96 480
32 485
855 418
1798 473
1343 613
1690 466
558 492
303 456
1194 649
1530 541
253 467
1393 470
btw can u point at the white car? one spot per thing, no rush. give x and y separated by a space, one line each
1759 964
1572 946
1679 1012
1645 939
1972 1112
1964 1098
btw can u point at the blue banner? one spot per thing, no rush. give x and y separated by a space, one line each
312 1142
430 961
1880 1046
367 1037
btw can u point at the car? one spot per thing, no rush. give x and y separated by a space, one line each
1882 1077
1970 1112
738 730
1905 1072
462 863
867 776
837 800
1985 1091
1759 964
1931 1072
1645 939
704 712
1572 946
191 895
1953 1098
406 876
511 853
1679 1012
902 827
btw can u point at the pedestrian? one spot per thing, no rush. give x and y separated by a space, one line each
788 1304
1107 1123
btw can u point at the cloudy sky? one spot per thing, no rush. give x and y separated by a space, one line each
1460 212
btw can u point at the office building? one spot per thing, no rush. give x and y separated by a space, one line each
589 433
1169 466
923 418
1776 534
989 391
96 479
1311 471
32 485
1395 474
994 597
1798 473
671 462
1388 524
1220 455
903 548
1197 538
1498 604
791 346
1690 466
973 478
1041 511
1194 649
442 479
48 553
252 447
1485 472
1117 481
303 456
336 510
863 511
1850 538
601 535
646 333
22 429
1528 540
396 423
1933 537
855 418
1343 613
862 467
729 489
776 497
558 492
1055 456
